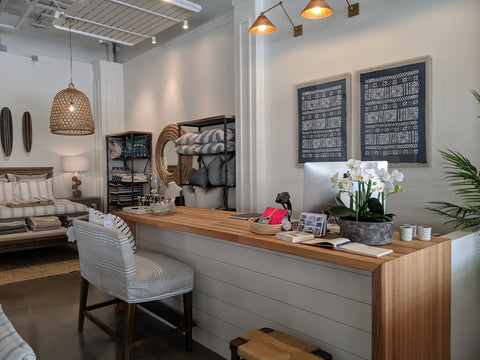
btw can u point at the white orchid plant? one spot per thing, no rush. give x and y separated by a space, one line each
367 186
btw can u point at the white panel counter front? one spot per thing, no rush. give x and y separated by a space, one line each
239 288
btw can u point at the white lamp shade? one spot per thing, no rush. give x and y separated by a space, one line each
75 163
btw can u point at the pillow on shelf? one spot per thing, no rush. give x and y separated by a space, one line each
187 149
6 192
231 172
33 190
189 195
97 217
215 135
187 139
215 148
209 198
198 177
16 177
215 171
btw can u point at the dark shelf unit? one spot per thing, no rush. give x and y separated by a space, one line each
136 151
201 124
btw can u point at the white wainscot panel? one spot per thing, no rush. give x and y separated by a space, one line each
239 288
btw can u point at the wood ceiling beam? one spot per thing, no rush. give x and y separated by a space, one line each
3 3
25 15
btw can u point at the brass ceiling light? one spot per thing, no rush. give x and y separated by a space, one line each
263 26
71 113
317 9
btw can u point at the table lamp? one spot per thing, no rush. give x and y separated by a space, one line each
75 164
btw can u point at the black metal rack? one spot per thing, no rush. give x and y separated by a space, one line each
136 146
203 123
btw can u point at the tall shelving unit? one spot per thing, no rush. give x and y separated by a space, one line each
135 156
200 124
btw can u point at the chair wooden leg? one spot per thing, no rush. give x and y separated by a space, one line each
127 337
83 303
188 319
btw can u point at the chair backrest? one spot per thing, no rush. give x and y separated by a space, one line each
106 257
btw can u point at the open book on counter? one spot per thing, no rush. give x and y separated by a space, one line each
341 244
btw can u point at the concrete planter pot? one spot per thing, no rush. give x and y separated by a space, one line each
368 233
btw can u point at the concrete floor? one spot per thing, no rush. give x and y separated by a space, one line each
45 311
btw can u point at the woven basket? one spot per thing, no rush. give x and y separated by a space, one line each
66 122
264 229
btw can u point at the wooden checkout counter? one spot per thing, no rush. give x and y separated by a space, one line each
353 306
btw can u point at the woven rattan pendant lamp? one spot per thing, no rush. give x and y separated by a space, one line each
71 112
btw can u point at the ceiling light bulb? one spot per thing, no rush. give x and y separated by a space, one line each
262 28
154 40
185 24
316 10
71 108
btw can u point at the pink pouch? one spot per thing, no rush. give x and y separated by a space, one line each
276 215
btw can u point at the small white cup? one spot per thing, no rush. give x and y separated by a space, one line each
414 229
424 233
406 233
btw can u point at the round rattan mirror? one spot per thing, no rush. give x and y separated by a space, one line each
164 146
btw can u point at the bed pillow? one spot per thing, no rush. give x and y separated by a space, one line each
33 190
215 171
187 149
97 217
230 170
189 195
209 198
215 148
187 139
16 177
215 135
198 177
6 192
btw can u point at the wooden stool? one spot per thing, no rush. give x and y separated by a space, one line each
267 344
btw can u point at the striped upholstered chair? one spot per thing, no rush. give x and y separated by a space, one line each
108 262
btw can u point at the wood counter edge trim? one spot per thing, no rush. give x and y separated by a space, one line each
245 237
346 259
393 321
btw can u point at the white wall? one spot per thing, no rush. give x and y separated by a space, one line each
383 33
187 79
31 86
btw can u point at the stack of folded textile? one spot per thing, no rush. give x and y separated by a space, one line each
12 226
137 177
40 223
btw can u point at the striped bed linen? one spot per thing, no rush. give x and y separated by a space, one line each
12 346
61 207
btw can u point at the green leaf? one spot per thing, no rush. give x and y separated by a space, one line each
375 206
338 210
339 201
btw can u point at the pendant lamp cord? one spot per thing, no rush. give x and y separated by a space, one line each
71 62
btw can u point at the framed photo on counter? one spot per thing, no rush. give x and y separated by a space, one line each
393 105
323 120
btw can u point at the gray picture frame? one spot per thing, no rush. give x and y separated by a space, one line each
323 113
393 110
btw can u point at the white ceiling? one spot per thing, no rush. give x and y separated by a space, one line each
34 18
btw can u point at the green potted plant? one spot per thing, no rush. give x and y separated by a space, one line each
360 206
465 179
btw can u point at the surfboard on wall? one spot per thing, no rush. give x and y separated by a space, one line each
6 131
27 131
